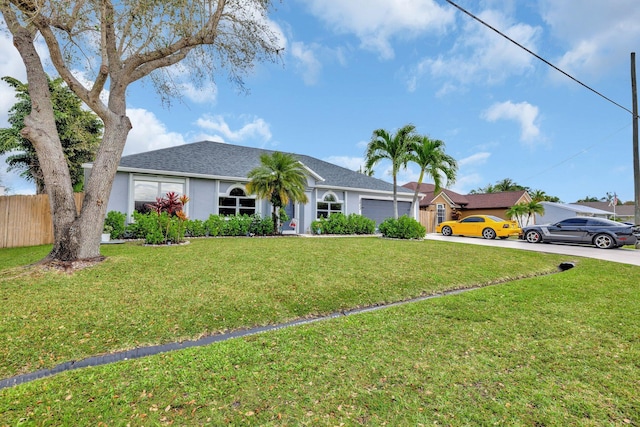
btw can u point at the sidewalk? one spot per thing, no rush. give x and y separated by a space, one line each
621 255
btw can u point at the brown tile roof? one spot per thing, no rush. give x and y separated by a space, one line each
504 199
429 191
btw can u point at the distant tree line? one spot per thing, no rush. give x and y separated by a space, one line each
507 184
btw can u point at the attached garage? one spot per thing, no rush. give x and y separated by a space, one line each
379 210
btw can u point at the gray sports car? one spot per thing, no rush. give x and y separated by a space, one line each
602 233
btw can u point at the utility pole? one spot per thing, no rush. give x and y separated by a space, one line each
636 160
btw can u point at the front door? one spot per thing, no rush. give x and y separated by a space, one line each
290 226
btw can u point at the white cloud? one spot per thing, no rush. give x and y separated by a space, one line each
599 35
10 65
362 144
474 159
306 62
480 55
253 128
352 163
524 113
149 133
467 182
206 93
376 22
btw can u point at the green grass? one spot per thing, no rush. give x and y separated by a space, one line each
561 349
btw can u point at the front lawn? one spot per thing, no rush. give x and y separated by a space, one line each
559 349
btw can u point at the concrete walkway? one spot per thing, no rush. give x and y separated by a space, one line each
621 255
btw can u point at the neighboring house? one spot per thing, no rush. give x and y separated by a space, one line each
554 212
618 212
214 176
448 205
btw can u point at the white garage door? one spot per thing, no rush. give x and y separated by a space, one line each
379 210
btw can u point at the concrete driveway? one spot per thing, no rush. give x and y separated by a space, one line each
621 255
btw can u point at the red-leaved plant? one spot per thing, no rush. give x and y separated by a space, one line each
172 204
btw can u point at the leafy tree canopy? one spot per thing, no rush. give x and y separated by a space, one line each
115 44
507 184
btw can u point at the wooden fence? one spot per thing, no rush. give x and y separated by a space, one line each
26 220
428 219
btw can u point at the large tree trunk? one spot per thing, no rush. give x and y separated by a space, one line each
40 129
76 237
86 230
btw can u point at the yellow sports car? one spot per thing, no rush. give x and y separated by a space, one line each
487 226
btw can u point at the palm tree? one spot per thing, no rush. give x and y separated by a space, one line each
507 184
430 156
534 207
518 212
280 178
397 148
538 195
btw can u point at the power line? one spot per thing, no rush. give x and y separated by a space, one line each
538 56
578 153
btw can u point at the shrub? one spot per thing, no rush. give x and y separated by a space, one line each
402 228
114 224
142 225
195 228
238 225
214 225
157 229
361 224
340 224
261 226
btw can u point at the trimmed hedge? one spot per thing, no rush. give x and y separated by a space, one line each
151 227
402 228
338 223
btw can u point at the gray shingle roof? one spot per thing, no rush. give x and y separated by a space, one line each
220 160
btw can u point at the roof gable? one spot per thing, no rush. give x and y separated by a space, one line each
430 195
503 199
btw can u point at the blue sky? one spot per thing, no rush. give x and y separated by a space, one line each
350 67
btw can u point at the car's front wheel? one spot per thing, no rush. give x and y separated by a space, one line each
488 233
446 231
533 236
604 241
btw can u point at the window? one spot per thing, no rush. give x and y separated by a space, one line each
441 212
236 203
328 205
574 222
147 190
473 219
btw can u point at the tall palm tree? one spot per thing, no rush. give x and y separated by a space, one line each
280 178
394 147
433 161
518 212
534 207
